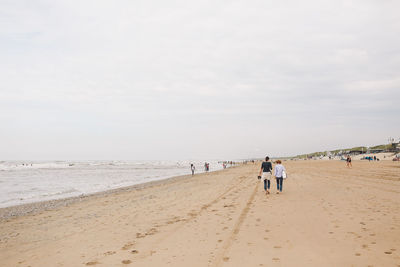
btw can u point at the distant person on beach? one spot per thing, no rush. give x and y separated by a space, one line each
266 171
193 168
279 175
348 161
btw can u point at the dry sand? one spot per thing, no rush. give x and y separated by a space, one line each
328 215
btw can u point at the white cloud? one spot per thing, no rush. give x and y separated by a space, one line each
209 75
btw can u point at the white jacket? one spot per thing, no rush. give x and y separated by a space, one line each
279 168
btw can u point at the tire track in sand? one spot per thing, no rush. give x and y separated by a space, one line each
192 217
225 249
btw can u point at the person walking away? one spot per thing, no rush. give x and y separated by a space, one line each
348 160
193 168
266 170
279 169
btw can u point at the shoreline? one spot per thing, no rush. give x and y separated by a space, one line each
36 207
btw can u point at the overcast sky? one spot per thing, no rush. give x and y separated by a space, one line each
196 79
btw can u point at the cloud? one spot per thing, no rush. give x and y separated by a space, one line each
254 74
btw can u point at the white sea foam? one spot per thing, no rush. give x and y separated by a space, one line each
27 182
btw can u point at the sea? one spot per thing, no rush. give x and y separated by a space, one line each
24 182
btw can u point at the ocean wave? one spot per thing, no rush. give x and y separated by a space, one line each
63 192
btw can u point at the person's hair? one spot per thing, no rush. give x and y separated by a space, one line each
266 158
278 162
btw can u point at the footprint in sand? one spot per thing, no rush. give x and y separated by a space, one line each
388 252
275 259
140 235
364 246
357 254
277 247
109 253
134 251
219 241
127 246
92 263
226 259
126 261
192 214
152 231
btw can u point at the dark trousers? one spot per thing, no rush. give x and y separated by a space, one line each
267 184
279 183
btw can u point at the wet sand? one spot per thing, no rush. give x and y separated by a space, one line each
328 215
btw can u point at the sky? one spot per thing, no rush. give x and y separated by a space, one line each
183 79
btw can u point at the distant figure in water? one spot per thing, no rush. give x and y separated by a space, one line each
206 166
266 170
280 174
193 168
348 162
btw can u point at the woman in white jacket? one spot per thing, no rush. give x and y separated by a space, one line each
279 169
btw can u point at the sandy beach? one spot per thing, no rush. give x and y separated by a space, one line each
328 215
